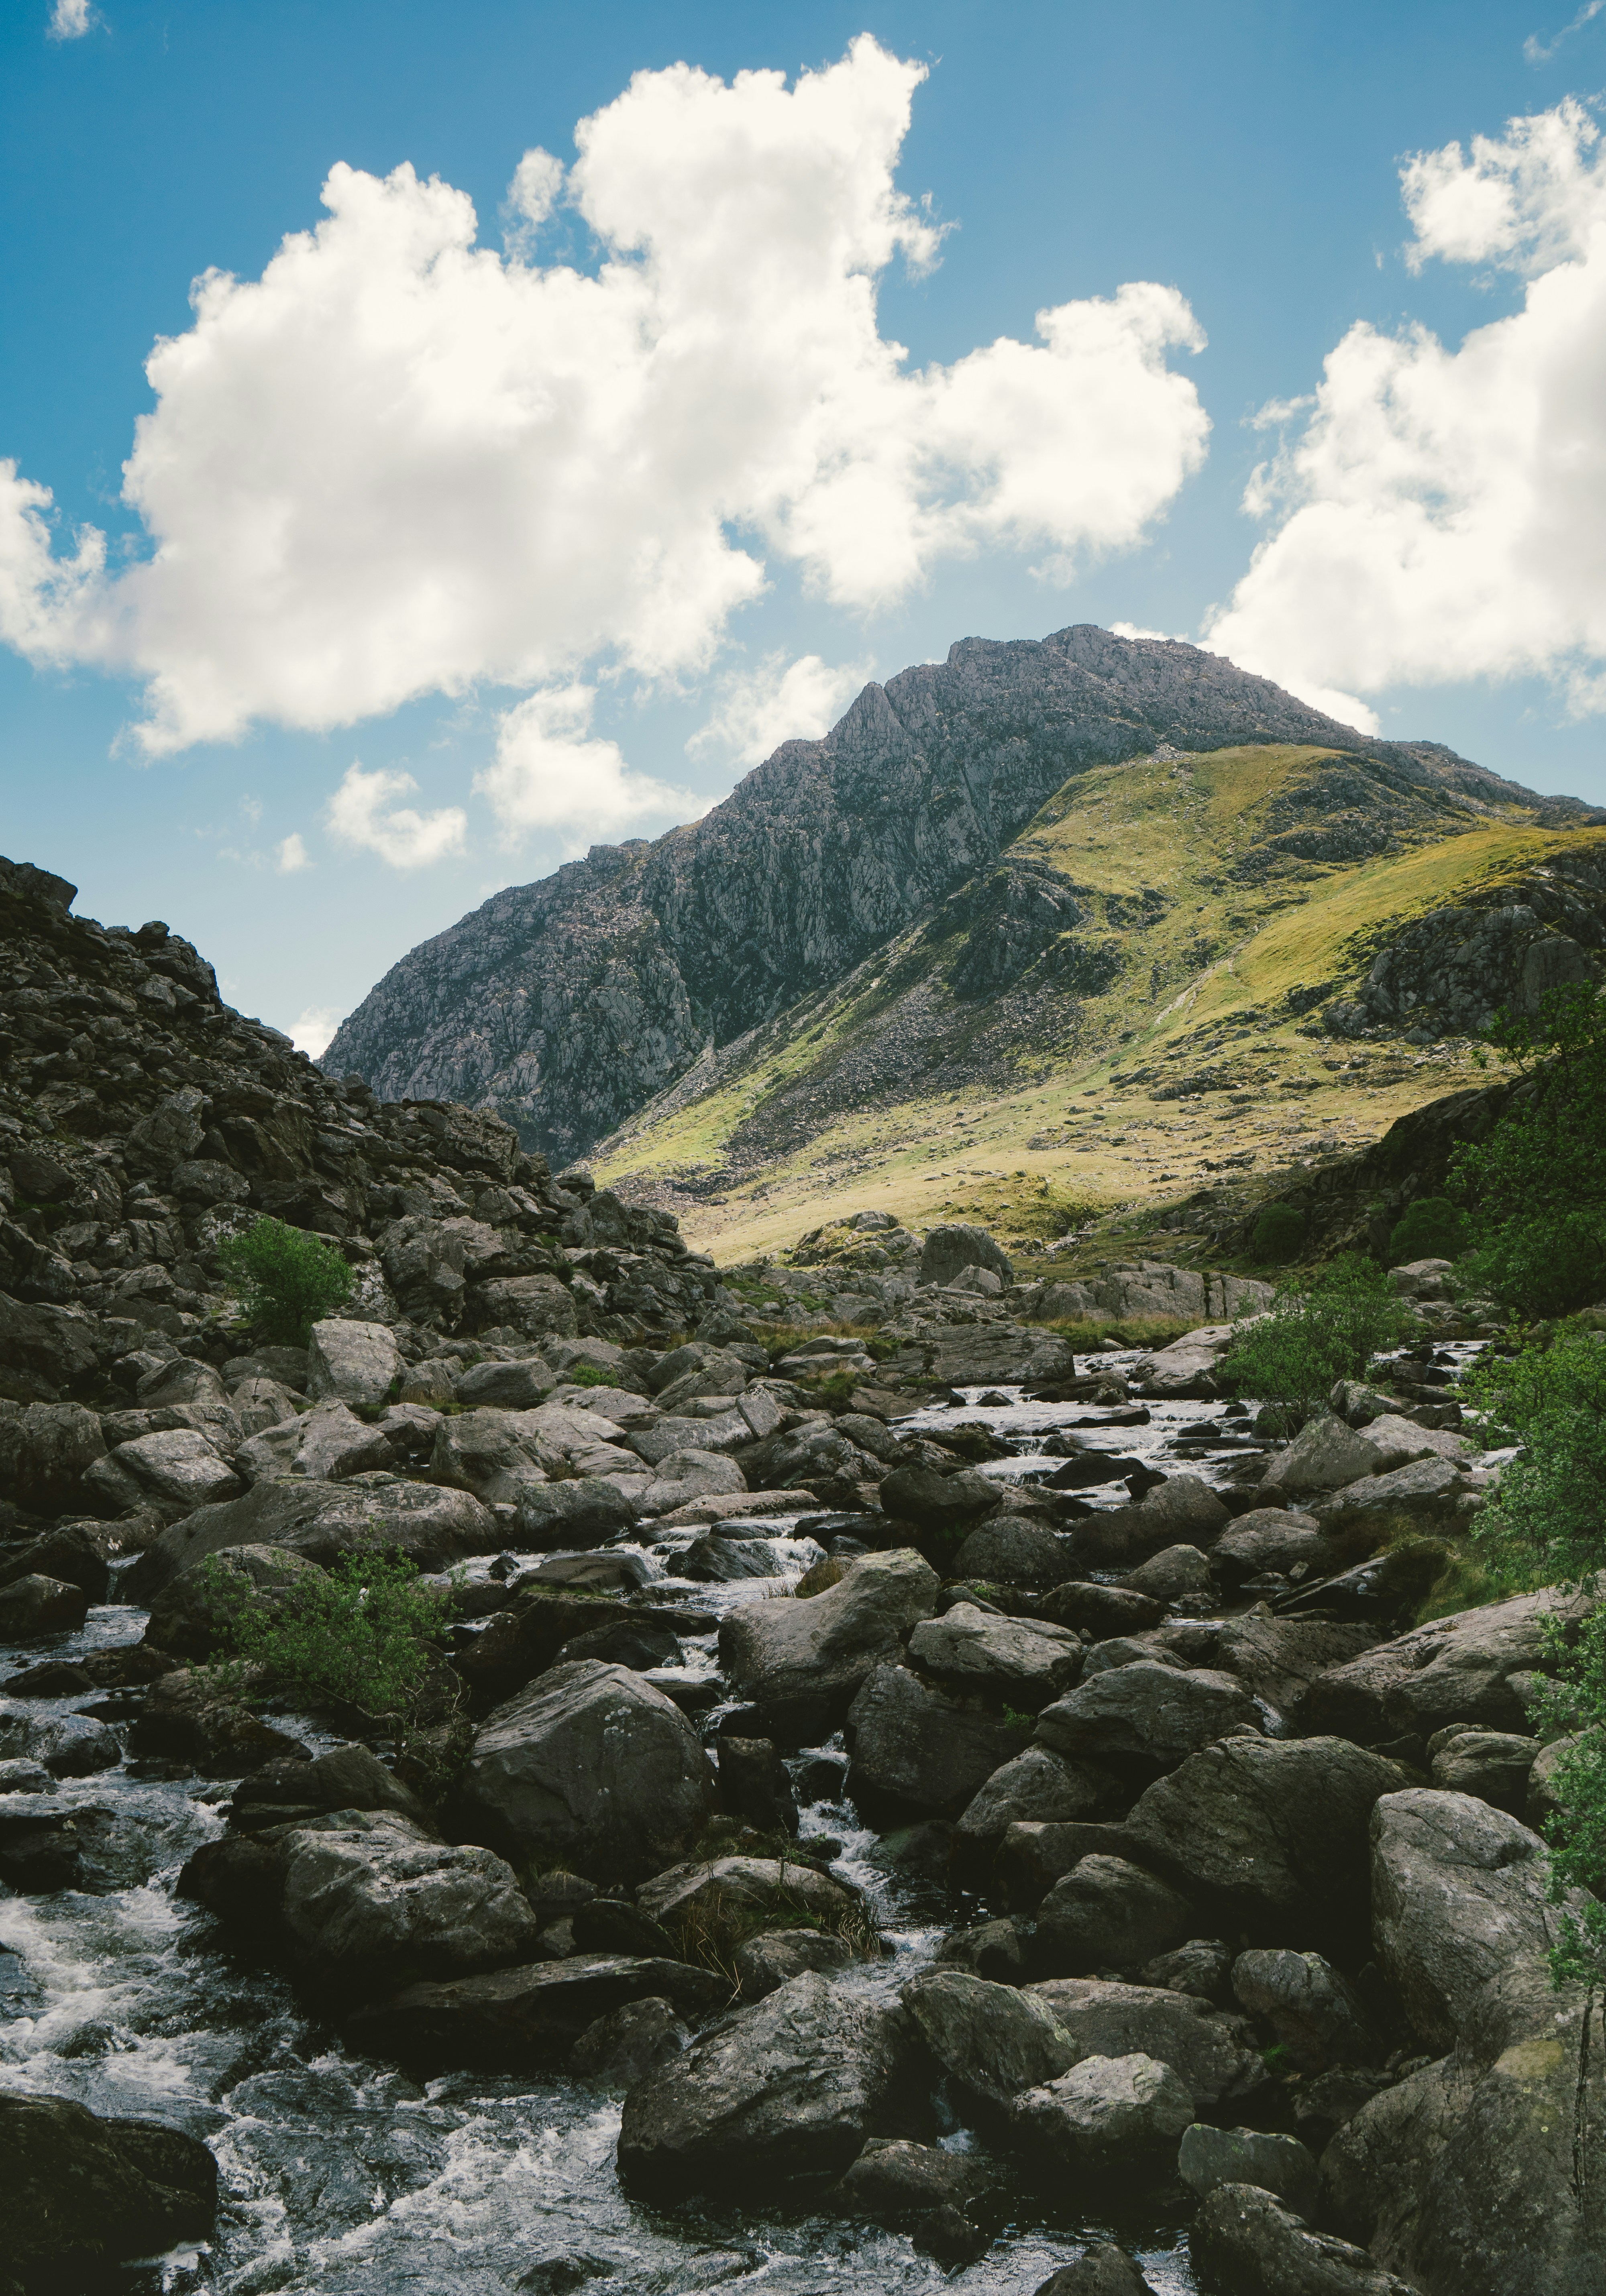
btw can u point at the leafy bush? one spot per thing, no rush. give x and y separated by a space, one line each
1547 1525
360 1636
1432 1228
284 1279
1277 1234
1537 1183
1316 1336
590 1374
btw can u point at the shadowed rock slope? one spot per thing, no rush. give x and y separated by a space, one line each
565 1005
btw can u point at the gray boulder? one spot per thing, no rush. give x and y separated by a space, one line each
1278 1658
355 1361
1427 1494
1208 2157
916 1751
1107 1913
586 1511
1102 2270
35 1606
86 2194
1013 1550
1174 1571
334 1443
1216 2056
1112 2118
1314 2014
1036 1787
1455 1669
179 1468
1021 1662
507 2019
591 1767
802 1661
948 1251
1146 1712
779 2094
1270 1538
774 1957
1245 2242
502 1386
496 1454
67 1746
1102 1611
534 1306
71 1552
939 1504
629 2043
996 2040
1202 1966
323 1522
1493 1765
1325 1454
45 1451
690 1474
698 1899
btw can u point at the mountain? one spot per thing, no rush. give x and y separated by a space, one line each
567 1004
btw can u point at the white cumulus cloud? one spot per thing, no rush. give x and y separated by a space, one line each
401 463
69 19
551 773
291 854
360 814
312 1032
777 701
1441 513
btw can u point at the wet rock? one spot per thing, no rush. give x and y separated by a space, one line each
782 2093
714 1561
1427 1494
938 1506
775 1957
1107 1913
36 1606
18 1775
711 1902
1324 1457
347 1777
1270 1538
186 1616
590 1767
45 1451
1215 2056
1271 1831
995 2040
1036 1786
1329 2103
918 2189
1453 1669
69 1551
1245 2242
585 1511
1202 1966
1146 1712
1102 2270
84 2193
801 1662
629 2043
39 1844
1101 1610
1314 2014
915 1749
431 1527
614 1574
1021 1663
690 1474
513 2020
1492 1764
1108 2117
355 1361
1181 1510
994 1950
1278 1658
613 1925
754 1785
1012 1551
68 1745
1175 1570
186 1718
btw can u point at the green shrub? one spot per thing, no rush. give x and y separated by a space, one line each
360 1636
590 1374
1316 1336
284 1279
1432 1228
1537 1182
1278 1234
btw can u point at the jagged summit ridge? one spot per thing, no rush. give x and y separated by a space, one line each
567 1004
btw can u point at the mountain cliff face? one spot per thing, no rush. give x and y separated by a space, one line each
566 1005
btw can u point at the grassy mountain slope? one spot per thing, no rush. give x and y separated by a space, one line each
1113 1015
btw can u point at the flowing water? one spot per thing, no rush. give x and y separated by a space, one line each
337 2176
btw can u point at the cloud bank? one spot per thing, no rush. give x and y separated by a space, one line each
401 463
1441 514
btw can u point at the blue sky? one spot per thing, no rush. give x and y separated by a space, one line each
1427 533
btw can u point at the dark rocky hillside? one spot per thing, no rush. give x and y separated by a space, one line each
567 1004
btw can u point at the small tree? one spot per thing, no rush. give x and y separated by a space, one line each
361 1635
1278 1234
284 1278
1431 1228
1537 1183
1315 1336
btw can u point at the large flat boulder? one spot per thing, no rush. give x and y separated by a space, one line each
590 1767
1147 1713
1274 1831
1455 1669
515 2019
802 1661
776 2096
430 1527
1019 1662
917 1751
84 2194
1216 2056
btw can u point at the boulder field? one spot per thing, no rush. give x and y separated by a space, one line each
1238 1908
